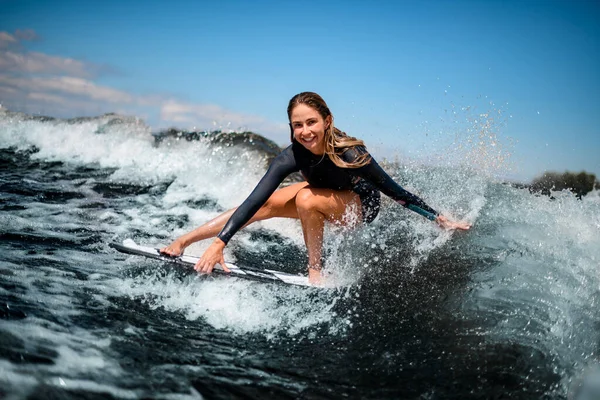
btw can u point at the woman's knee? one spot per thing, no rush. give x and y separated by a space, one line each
306 200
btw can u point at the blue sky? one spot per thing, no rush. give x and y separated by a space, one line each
512 87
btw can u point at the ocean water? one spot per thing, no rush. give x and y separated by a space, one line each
509 309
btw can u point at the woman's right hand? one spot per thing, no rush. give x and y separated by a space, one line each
174 249
212 256
449 224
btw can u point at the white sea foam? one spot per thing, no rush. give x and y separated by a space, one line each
545 272
196 170
538 278
236 305
195 167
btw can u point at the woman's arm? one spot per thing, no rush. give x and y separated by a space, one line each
283 165
276 173
373 173
382 181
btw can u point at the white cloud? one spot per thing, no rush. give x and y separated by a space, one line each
7 90
67 85
6 40
210 116
180 111
26 34
74 95
49 98
41 83
39 63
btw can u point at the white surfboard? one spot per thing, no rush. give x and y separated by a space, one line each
265 275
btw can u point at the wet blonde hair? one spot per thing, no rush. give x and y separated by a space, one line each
336 141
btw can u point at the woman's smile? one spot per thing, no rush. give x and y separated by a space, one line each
309 128
308 140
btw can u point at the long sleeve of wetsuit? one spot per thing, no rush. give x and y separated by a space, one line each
283 165
373 173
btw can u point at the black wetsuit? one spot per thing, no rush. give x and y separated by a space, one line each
321 172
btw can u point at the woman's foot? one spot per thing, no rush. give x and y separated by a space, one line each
315 277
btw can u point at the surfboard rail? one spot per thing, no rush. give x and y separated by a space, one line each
129 246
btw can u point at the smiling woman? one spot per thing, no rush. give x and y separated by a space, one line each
341 176
304 111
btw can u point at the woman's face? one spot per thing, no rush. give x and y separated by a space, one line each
309 128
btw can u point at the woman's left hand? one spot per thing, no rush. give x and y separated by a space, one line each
449 225
212 256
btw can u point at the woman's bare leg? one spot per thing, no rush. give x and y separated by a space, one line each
280 204
314 207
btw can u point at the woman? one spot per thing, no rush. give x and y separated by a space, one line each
339 174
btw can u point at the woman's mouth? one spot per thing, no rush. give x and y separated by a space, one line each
309 140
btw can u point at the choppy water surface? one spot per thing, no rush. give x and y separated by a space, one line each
506 310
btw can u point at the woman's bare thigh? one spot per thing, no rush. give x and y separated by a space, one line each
333 204
282 203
